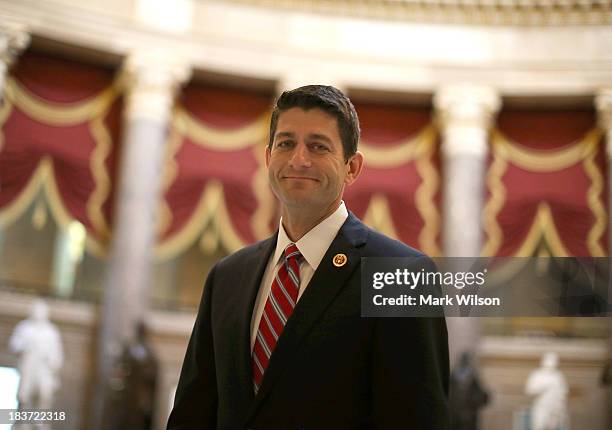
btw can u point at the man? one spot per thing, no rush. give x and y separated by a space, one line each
279 342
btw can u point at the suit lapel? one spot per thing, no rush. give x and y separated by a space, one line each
253 271
325 284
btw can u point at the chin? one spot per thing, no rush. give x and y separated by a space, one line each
298 202
298 193
295 201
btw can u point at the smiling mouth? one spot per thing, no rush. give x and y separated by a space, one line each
303 178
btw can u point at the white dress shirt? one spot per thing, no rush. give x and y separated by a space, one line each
313 246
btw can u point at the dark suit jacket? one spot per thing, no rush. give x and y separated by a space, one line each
331 369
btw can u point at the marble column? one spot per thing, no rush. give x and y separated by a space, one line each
13 40
603 103
150 80
465 114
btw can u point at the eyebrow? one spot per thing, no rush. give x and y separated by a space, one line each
318 136
283 134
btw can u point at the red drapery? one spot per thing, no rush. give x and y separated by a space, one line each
216 173
546 185
60 131
60 122
399 189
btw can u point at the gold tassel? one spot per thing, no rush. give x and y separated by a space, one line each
39 216
209 243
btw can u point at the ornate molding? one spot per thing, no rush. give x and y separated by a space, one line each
13 40
465 113
242 40
151 79
603 103
476 12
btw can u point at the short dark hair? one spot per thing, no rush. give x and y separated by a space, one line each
328 99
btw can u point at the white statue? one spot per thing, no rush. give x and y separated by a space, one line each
39 345
548 385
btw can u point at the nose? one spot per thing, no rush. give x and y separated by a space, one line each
300 158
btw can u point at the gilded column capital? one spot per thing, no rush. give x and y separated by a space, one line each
14 39
465 113
603 103
151 80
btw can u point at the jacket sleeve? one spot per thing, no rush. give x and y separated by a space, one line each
410 372
195 403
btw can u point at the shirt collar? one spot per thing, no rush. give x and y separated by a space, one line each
314 244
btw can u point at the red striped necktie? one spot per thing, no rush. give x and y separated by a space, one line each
278 309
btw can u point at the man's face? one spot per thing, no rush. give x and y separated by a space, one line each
306 166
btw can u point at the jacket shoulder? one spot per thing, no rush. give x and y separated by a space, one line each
379 245
237 258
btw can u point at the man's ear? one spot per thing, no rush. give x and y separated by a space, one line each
267 156
354 165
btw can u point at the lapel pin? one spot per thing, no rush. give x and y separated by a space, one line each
339 260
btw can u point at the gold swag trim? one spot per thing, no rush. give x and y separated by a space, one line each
419 148
100 175
543 227
497 198
90 111
547 160
253 135
378 215
401 153
59 114
257 131
5 110
260 222
504 152
212 199
424 198
14 210
211 208
43 178
220 139
595 203
169 174
201 217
